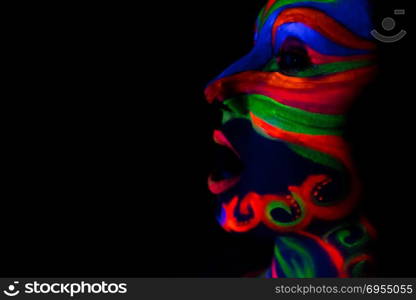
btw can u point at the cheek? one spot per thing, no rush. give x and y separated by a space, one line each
268 166
271 172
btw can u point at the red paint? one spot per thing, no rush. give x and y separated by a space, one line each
334 255
334 146
274 272
329 94
355 260
318 58
372 232
323 24
267 8
306 216
230 222
219 187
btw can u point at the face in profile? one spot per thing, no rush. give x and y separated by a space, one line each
283 164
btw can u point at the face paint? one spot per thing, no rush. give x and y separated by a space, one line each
285 165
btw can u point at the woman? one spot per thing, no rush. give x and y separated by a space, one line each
285 168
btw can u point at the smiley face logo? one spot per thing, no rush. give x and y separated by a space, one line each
389 24
11 290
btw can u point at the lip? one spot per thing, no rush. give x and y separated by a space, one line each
220 139
220 186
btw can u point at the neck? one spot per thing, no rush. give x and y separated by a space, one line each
335 250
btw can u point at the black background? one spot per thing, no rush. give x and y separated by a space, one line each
110 144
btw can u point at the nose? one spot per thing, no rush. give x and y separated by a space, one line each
255 60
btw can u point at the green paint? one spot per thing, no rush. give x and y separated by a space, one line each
342 236
319 70
342 232
238 109
278 204
336 67
300 267
280 3
283 116
358 269
259 20
290 119
318 157
272 66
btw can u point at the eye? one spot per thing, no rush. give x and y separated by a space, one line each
293 57
293 60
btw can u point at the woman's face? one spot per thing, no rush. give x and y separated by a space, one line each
282 162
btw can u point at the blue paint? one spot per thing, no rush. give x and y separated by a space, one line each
353 14
313 39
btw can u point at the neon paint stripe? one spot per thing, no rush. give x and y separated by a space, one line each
330 94
270 202
287 117
285 205
344 234
274 272
334 146
272 66
295 271
273 5
357 264
317 157
323 24
228 220
266 9
257 25
372 232
340 233
325 69
313 39
277 80
334 255
319 58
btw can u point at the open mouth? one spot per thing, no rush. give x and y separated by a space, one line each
227 168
